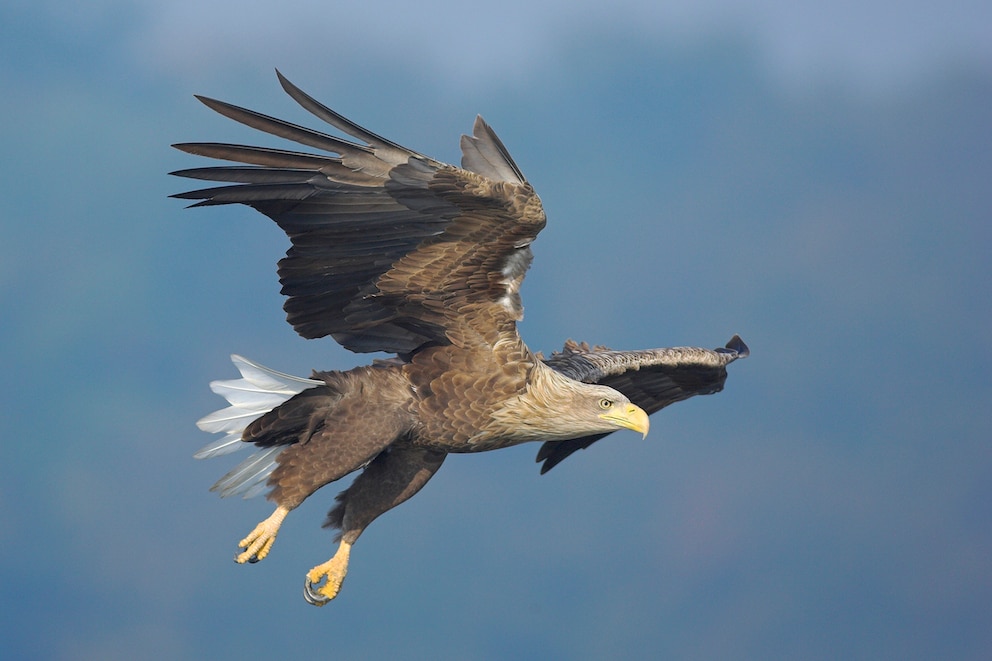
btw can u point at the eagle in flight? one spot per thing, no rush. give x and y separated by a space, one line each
396 252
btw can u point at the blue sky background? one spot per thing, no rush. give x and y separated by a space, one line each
814 178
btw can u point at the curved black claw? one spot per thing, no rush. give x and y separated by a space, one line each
311 595
252 560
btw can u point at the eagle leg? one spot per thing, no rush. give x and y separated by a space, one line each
391 478
259 541
331 574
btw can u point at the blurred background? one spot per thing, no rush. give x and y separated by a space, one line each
814 177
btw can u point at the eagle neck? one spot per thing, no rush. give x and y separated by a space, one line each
544 410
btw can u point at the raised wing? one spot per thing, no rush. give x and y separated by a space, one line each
652 379
391 250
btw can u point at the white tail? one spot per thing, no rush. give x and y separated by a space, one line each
258 391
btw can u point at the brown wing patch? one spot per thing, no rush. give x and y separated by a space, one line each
390 249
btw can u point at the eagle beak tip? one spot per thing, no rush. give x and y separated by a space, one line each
639 420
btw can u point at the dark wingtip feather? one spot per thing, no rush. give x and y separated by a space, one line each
553 453
737 344
201 203
546 455
342 123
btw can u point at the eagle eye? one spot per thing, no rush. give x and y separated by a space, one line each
605 403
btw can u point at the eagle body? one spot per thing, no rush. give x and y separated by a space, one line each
393 251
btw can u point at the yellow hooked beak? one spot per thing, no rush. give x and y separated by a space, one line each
630 416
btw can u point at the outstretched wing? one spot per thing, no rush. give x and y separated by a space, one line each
391 250
652 379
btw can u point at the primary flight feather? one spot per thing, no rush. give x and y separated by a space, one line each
394 251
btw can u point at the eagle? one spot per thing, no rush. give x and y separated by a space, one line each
392 251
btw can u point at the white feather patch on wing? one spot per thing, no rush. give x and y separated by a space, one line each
258 391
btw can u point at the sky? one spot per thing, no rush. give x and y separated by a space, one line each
813 177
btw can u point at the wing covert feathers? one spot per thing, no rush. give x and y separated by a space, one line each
391 250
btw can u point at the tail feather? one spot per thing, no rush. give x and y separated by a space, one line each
248 478
226 445
258 391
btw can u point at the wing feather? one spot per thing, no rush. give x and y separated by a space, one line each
391 250
384 149
652 379
483 152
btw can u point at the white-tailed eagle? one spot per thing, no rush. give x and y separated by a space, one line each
394 251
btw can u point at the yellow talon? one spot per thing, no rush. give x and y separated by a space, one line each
259 541
332 573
